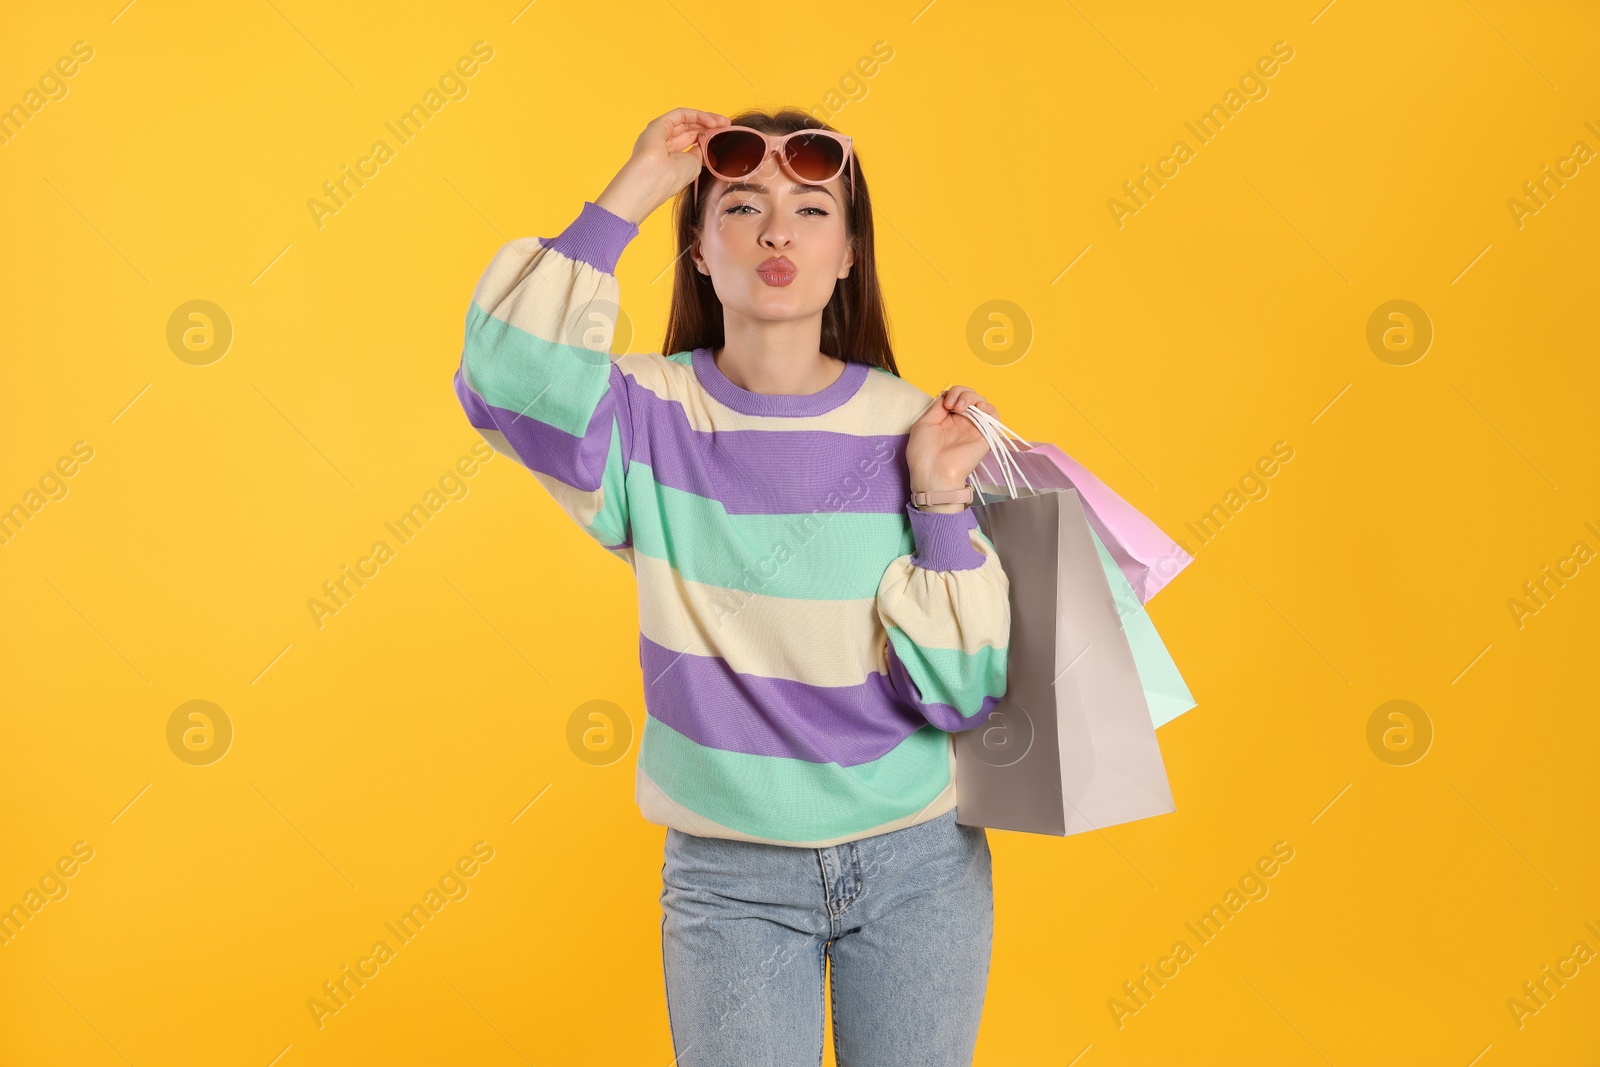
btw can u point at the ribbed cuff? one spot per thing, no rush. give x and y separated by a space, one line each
942 541
596 236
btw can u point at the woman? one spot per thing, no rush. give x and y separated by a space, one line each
811 630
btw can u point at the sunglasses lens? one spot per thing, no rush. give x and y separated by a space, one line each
735 154
814 157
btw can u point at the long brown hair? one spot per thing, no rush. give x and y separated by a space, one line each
855 327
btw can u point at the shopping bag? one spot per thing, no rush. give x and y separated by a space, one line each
1148 558
1072 744
1164 688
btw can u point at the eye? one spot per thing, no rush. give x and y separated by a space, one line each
735 208
819 212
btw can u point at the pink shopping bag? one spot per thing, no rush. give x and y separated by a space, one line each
1148 558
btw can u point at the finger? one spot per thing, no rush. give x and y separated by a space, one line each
678 142
680 115
682 121
959 396
698 120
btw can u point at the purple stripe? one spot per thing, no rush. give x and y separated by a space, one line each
578 461
707 701
743 400
770 472
942 541
944 716
596 237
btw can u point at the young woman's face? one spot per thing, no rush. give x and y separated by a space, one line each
775 247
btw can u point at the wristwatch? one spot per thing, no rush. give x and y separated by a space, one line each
923 498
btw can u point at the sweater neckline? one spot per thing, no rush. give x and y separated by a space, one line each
746 402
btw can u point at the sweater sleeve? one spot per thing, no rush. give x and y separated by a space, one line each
947 610
536 380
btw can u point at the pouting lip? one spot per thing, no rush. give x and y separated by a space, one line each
776 265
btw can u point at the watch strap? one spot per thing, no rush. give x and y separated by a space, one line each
925 497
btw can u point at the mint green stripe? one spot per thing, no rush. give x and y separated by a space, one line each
794 800
829 555
951 676
509 367
610 524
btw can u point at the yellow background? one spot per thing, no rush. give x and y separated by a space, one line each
430 712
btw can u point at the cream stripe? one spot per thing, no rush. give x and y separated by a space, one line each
948 609
547 304
819 642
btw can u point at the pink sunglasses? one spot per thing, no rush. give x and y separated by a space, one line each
816 157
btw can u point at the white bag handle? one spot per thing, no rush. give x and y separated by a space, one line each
999 436
999 448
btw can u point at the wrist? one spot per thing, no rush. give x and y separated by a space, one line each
931 481
633 194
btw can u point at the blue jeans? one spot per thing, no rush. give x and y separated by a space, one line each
905 920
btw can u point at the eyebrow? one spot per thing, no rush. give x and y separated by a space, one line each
757 187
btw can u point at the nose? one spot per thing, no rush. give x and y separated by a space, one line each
775 235
775 230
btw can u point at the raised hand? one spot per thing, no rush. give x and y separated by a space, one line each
659 166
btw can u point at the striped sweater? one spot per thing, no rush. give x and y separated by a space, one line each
808 640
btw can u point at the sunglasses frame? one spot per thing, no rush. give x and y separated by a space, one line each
776 143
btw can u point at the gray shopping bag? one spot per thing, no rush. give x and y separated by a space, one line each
1071 747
